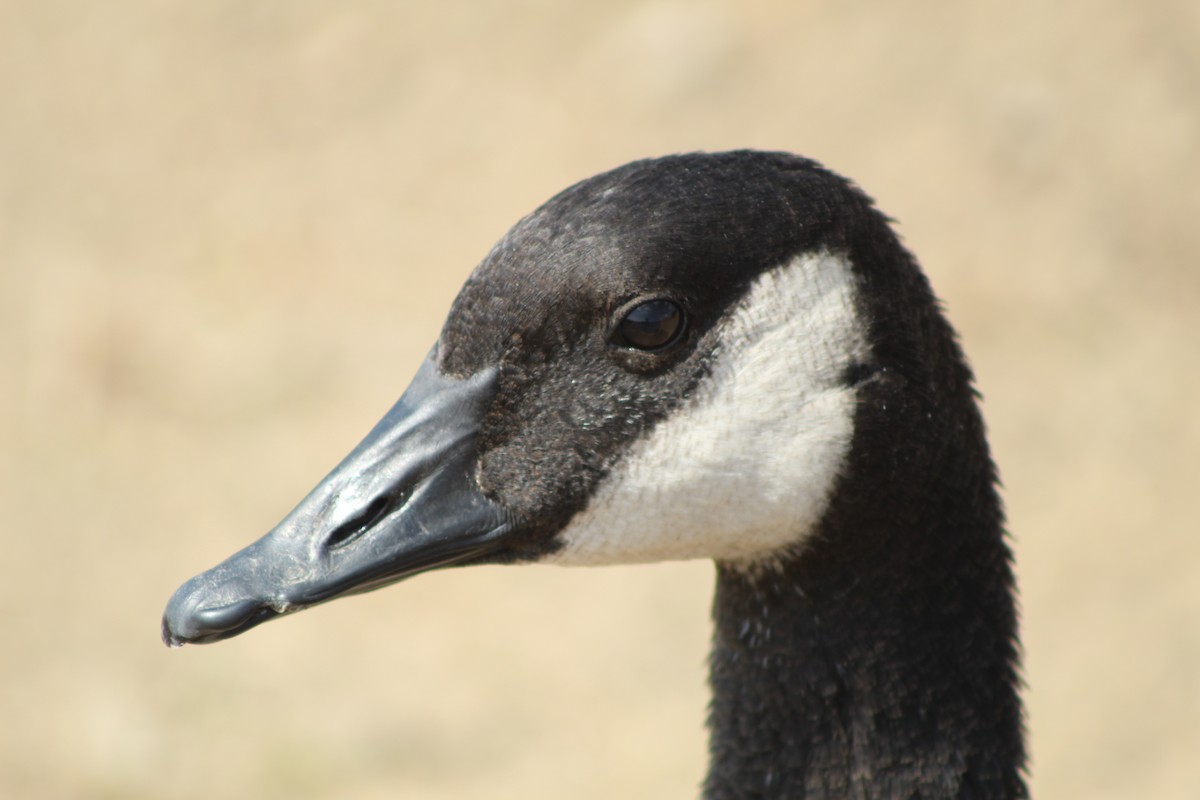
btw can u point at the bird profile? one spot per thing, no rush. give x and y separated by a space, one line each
727 356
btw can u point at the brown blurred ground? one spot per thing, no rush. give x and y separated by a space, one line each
229 230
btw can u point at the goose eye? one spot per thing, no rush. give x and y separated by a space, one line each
651 325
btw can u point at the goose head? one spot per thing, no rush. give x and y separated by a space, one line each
723 356
659 363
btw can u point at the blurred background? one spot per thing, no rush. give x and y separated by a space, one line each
229 231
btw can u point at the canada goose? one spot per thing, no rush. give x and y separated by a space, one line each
726 356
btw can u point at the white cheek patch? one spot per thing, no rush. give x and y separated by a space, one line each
746 465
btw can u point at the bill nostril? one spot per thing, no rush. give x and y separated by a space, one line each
356 526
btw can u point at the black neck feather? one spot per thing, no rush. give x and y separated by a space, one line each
825 689
879 663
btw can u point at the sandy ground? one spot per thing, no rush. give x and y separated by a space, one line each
229 231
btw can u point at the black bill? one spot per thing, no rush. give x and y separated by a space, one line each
404 501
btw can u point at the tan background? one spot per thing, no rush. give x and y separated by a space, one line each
229 230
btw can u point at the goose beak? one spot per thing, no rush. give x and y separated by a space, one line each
404 501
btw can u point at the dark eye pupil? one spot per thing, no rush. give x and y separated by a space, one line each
651 325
